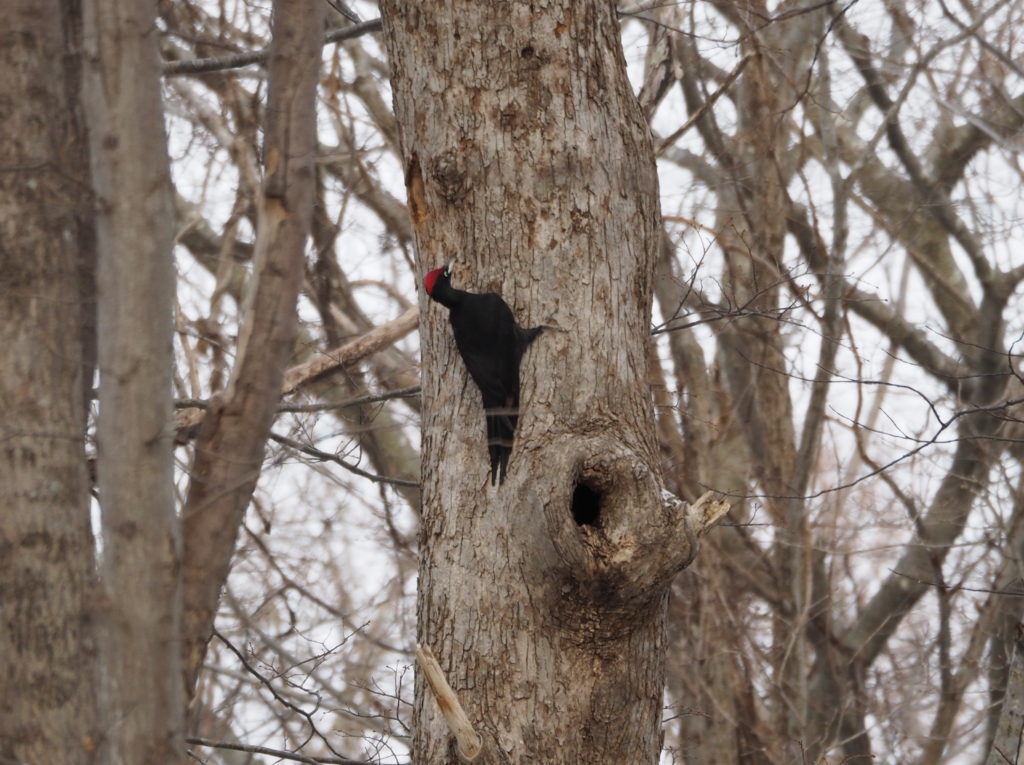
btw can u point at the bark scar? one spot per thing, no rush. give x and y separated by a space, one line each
414 189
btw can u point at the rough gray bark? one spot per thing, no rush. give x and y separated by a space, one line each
141 693
528 158
229 450
1007 616
47 653
1007 740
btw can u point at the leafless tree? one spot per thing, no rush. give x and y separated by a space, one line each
833 348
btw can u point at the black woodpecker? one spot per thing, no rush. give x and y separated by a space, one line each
491 344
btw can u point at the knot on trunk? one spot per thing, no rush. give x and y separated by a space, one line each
619 536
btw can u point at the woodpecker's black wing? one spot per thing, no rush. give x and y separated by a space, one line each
491 345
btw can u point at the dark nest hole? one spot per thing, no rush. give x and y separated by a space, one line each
586 505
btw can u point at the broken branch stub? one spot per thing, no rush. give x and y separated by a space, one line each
469 743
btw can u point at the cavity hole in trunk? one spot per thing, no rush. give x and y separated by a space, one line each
586 505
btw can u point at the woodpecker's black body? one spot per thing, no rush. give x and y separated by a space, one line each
491 344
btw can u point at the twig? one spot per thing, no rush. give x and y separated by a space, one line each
957 587
323 406
295 757
704 107
323 456
409 392
238 60
470 744
188 422
281 699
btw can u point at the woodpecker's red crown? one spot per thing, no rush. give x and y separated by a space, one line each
431 279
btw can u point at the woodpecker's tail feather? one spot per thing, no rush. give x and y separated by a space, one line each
530 334
499 462
501 430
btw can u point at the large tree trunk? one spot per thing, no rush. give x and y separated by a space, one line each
544 599
141 691
47 654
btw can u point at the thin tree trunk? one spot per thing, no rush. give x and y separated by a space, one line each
528 158
753 361
229 450
141 692
47 651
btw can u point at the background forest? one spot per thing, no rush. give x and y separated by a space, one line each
836 348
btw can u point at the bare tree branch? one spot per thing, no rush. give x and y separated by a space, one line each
284 755
230 447
238 60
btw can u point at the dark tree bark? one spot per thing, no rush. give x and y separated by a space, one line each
48 709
